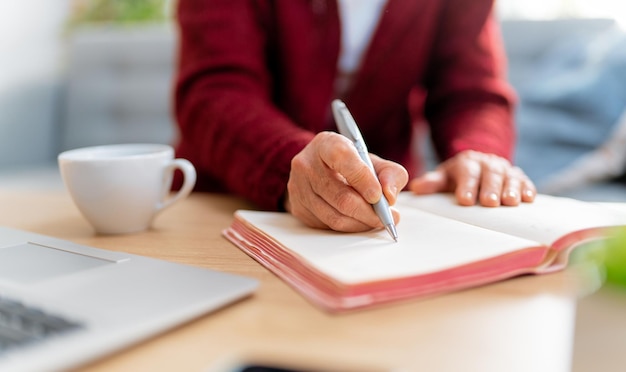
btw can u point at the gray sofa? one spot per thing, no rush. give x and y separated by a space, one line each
570 76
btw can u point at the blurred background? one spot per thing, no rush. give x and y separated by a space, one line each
77 73
84 72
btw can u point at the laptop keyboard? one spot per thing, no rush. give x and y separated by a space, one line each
21 324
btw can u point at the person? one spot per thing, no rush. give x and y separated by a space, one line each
256 78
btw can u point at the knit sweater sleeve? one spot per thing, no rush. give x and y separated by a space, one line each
229 127
470 103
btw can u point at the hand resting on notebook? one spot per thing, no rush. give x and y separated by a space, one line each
473 176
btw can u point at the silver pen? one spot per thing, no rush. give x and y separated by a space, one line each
347 126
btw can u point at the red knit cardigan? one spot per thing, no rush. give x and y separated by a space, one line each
256 77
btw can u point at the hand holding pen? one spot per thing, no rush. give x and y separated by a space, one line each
331 187
347 126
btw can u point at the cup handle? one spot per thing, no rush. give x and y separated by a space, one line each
189 180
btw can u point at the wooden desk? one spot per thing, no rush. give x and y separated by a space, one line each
523 324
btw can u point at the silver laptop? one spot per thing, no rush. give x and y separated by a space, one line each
64 304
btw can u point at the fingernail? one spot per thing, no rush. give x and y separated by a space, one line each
394 190
511 194
492 196
529 193
432 175
396 193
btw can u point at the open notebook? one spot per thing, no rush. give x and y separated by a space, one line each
64 304
442 247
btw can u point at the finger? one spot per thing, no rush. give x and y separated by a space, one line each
343 195
315 211
340 155
529 191
518 188
392 176
492 182
310 183
339 221
396 215
512 189
297 200
326 217
467 176
307 217
430 182
348 206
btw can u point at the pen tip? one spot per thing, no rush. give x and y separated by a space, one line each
391 229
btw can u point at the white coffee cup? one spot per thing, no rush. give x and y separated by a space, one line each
121 188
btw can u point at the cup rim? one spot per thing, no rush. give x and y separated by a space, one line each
94 153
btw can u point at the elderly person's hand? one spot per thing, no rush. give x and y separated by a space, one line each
330 187
475 176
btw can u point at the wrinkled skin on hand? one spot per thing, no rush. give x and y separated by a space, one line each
330 187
